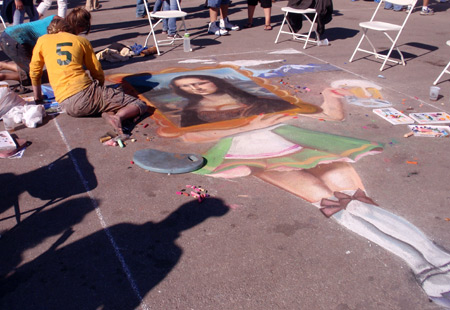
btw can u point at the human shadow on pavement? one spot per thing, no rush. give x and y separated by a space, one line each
108 269
51 183
55 221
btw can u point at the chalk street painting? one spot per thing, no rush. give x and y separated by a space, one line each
247 128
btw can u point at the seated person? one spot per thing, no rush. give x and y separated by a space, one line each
17 42
324 10
67 56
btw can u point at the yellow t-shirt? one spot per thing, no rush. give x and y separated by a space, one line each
66 57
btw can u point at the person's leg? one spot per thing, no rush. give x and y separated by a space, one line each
62 8
267 13
8 66
224 11
213 27
224 21
90 6
9 76
251 12
425 9
18 17
116 107
172 22
140 8
251 6
32 13
213 14
157 6
267 7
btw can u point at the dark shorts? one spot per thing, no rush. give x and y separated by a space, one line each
264 3
96 99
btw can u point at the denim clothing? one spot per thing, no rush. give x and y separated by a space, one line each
19 16
140 8
172 22
217 3
388 6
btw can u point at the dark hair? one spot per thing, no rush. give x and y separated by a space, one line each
79 19
223 87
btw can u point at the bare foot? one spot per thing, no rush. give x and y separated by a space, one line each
114 122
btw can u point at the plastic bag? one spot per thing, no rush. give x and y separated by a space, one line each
30 115
8 99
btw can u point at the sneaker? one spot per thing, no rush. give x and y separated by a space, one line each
173 36
214 29
427 11
225 24
408 8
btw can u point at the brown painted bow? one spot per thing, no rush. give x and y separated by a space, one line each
330 207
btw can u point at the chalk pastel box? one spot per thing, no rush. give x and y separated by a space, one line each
430 131
393 116
431 117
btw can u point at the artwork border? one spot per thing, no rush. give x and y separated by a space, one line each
168 129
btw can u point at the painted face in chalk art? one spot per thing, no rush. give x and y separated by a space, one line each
196 86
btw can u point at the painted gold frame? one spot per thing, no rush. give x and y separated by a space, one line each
168 129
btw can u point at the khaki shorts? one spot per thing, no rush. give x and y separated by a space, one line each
96 99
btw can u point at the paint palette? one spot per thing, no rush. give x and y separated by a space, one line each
430 131
393 116
431 117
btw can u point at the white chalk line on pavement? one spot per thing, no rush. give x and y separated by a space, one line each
100 217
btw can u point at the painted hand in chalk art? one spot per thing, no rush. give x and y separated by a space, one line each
361 93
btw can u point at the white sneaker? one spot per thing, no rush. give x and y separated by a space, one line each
225 24
213 28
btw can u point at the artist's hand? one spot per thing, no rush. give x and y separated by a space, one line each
19 5
38 97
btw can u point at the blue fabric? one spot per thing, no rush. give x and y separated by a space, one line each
28 33
137 48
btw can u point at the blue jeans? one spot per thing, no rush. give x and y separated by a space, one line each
388 6
170 5
19 16
156 8
140 8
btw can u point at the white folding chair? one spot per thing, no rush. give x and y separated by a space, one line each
160 16
445 69
298 36
1 18
384 27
